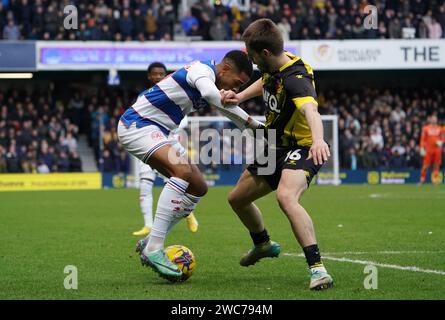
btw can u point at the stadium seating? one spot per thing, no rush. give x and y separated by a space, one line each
37 134
155 20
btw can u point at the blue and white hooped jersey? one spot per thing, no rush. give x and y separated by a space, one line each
166 103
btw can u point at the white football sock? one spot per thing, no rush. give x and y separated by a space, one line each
189 203
146 201
168 210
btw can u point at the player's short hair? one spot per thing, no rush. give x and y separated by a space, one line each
240 60
264 34
156 65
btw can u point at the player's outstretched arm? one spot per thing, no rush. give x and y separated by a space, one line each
319 150
212 95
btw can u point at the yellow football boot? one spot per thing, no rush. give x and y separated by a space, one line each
143 232
192 223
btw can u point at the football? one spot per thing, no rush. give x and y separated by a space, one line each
183 257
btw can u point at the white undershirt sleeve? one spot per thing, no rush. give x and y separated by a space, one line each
211 94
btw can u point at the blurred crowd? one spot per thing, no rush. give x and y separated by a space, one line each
105 111
141 20
382 128
378 129
37 134
321 19
39 130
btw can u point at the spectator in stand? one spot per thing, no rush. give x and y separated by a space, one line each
123 162
195 31
285 28
434 29
71 142
126 25
75 162
139 23
395 29
12 160
188 22
218 31
151 26
351 161
51 21
357 29
108 164
11 31
42 167
63 163
165 24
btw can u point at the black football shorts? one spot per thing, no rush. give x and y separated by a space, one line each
293 158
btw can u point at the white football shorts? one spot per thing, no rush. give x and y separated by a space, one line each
143 142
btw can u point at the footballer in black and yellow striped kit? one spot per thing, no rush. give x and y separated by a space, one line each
284 92
292 117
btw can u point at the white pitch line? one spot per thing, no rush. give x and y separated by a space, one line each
378 264
384 252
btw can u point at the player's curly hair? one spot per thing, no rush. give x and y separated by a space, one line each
264 34
240 60
156 65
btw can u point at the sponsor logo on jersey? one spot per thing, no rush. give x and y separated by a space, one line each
271 101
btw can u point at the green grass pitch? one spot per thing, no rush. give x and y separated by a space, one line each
392 226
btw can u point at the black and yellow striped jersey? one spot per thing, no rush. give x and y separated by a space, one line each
284 92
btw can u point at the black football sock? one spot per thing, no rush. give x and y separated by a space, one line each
260 237
312 254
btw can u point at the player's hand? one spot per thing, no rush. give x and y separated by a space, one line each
229 98
439 143
422 152
319 152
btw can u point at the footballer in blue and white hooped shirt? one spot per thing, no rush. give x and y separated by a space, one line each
156 71
144 128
